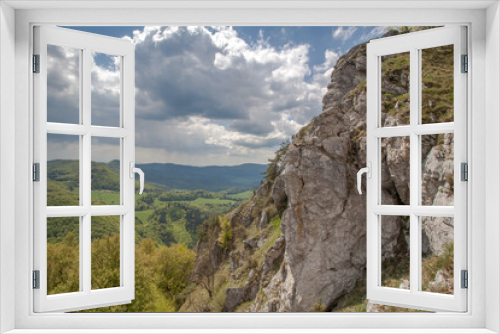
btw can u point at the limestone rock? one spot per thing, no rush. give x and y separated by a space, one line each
442 281
321 252
405 285
234 297
278 193
438 232
235 258
250 244
324 225
243 214
264 219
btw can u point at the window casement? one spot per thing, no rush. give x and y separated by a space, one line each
83 131
410 135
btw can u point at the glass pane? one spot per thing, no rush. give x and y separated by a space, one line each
63 170
437 84
105 171
63 255
105 252
438 170
395 90
437 254
106 88
63 84
395 170
395 251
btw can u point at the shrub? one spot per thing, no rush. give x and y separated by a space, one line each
226 233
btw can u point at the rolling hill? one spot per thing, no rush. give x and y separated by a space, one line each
211 178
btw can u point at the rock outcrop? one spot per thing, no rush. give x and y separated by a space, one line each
324 224
321 252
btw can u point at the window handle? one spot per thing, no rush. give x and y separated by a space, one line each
139 171
368 171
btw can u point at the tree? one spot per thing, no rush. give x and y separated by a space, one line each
226 233
175 265
274 167
204 272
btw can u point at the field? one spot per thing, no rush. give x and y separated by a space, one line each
167 216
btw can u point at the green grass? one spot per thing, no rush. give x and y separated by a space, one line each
274 232
106 197
180 234
275 223
243 196
432 264
437 81
164 215
143 215
213 201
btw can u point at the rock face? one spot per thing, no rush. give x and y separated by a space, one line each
236 296
321 252
324 224
437 189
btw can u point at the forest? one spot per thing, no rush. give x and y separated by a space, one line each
167 223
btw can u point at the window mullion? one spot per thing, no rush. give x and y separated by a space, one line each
414 169
81 181
86 171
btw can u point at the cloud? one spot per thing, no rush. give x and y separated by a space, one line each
63 88
62 147
375 32
344 33
211 74
206 96
105 89
323 72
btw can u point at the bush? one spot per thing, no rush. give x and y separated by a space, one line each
226 233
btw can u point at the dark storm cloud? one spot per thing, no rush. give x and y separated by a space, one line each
203 96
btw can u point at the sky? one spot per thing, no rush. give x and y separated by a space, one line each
205 95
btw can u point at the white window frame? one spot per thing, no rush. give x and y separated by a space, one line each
85 43
413 43
484 50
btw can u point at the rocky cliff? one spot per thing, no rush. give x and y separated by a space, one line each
300 243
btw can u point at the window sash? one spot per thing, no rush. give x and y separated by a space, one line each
86 297
413 43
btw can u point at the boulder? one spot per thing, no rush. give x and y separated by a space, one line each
234 297
278 193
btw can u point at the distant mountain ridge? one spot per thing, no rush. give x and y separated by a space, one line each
173 176
211 178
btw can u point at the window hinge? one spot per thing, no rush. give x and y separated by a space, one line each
36 63
36 279
465 64
36 172
464 171
465 279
